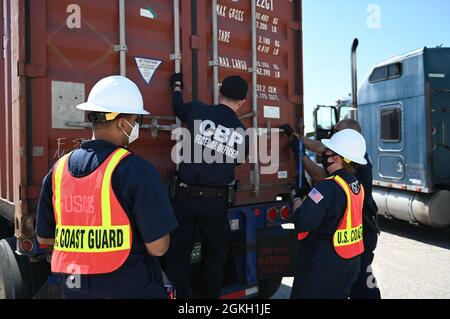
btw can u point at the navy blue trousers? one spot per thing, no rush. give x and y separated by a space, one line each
322 274
208 216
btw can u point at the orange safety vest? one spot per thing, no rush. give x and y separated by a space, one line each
93 232
348 237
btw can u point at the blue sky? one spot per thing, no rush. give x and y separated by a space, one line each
329 27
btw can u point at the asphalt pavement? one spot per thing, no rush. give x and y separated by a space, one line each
411 262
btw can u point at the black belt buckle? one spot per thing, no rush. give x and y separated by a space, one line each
182 191
231 194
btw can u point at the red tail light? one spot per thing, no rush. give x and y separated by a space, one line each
272 214
285 213
26 246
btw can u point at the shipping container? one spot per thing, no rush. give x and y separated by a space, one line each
54 51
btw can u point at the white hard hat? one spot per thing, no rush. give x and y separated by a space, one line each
349 144
115 94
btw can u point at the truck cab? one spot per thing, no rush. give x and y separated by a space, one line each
325 117
404 112
403 109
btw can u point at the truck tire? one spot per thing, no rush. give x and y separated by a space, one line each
19 278
268 287
6 230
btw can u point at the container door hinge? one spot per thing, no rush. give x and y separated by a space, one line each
4 47
29 70
120 48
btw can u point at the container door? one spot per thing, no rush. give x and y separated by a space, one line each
6 169
83 47
60 49
277 89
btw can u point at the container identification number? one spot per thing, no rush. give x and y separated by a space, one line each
265 4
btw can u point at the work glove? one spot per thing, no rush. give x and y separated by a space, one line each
177 80
288 130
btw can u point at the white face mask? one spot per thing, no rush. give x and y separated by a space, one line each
134 135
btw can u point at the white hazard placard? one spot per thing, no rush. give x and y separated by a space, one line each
147 67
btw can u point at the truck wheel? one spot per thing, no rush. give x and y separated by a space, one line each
19 278
5 228
268 287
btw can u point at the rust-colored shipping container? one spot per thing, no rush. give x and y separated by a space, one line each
54 51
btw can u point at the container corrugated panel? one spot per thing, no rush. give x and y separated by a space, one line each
67 46
279 72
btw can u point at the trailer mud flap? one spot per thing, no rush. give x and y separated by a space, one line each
277 252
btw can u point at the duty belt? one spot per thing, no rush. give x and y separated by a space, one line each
183 189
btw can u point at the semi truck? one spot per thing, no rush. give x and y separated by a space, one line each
54 51
403 108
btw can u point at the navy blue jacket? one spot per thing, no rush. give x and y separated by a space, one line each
139 189
197 115
322 273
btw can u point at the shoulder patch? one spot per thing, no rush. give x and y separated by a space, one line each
315 195
356 188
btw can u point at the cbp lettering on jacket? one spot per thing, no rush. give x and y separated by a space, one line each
221 134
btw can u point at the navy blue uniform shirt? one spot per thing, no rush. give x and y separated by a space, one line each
139 189
321 272
323 217
210 174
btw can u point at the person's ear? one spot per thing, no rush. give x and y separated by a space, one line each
121 124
